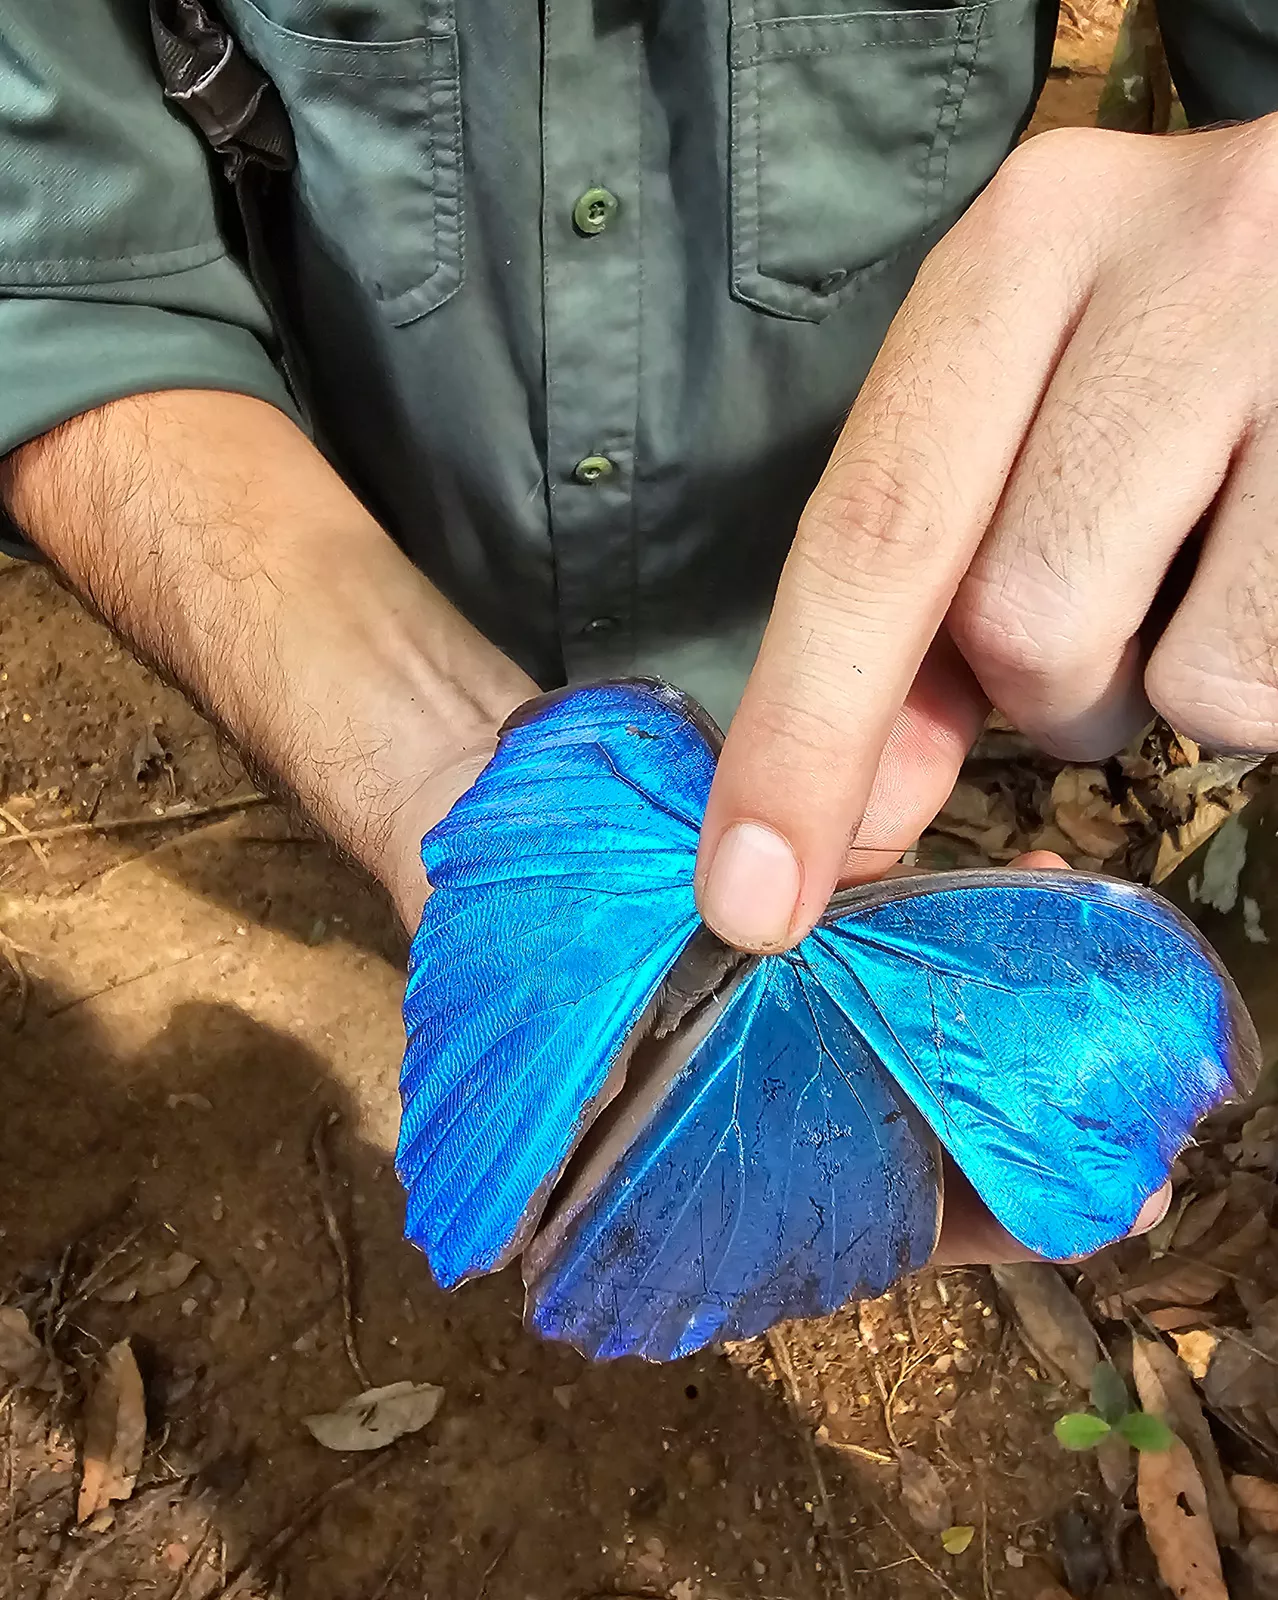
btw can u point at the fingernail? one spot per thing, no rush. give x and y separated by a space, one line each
1153 1211
751 890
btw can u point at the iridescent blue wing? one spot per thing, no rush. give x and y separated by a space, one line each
777 1173
1062 1034
562 895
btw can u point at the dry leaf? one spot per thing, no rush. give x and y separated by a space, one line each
1173 1507
968 804
955 1539
1258 1500
145 1281
1196 1349
1197 1219
1182 1283
1241 1249
1094 832
923 1494
1165 1389
1242 1373
1055 1327
114 1432
23 1359
1170 1319
1261 1556
376 1418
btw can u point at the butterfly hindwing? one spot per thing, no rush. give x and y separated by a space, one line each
780 1174
1061 1033
562 894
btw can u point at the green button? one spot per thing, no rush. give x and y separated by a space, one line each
594 211
591 468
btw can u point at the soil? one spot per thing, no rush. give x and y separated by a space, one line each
182 1002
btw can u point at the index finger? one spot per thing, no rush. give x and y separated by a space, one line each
879 552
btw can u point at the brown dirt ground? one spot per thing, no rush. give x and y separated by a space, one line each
180 1004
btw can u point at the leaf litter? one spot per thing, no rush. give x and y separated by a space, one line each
376 1418
114 1433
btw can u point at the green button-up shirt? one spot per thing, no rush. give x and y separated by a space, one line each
583 289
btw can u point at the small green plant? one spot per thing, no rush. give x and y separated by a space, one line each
1112 1413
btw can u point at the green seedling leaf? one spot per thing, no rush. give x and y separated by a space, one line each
1109 1393
956 1539
1146 1431
1080 1430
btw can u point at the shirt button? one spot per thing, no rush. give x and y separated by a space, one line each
591 468
594 211
598 626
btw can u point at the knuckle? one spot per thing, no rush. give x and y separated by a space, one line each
1007 644
1222 692
866 519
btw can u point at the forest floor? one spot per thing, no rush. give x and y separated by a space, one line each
199 1039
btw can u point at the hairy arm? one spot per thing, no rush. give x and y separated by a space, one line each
217 541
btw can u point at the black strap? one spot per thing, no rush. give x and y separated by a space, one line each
228 97
239 113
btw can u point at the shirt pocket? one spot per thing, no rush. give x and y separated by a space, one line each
377 124
854 133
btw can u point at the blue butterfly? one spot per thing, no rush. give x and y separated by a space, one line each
687 1145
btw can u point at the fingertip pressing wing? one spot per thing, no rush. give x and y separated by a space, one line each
1061 1033
780 1174
562 894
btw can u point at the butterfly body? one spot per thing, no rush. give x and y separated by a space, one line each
687 1145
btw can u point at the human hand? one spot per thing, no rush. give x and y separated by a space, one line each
1082 386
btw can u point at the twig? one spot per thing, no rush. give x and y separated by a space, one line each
985 1545
388 1577
886 1398
925 1564
881 1457
152 971
242 1581
324 1185
492 1567
781 1355
10 1506
39 836
92 1278
187 1576
142 1506
23 835
72 1575
13 953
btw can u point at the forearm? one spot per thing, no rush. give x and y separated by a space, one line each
214 537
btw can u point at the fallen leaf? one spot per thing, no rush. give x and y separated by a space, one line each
955 1539
1166 1391
1173 1507
197 1102
923 1495
1241 1248
376 1418
1262 1557
23 1359
1170 1319
114 1432
1055 1327
1258 1500
1198 1218
1116 1464
1242 1370
1186 1283
1093 832
1196 1349
146 1281
968 804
